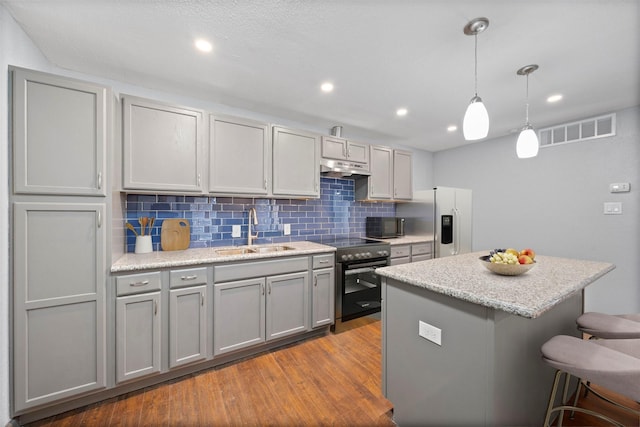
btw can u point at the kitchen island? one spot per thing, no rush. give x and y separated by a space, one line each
461 345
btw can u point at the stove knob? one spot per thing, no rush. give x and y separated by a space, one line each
383 253
350 257
368 254
358 255
345 257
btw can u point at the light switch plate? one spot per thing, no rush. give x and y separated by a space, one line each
287 229
236 231
612 208
430 332
620 187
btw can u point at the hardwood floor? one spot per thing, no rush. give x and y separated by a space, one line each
331 380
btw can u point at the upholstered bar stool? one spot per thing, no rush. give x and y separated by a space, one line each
600 325
610 365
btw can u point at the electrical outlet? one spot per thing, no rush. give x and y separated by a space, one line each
287 229
612 208
620 187
236 231
430 332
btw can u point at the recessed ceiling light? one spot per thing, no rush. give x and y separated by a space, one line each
327 87
203 45
452 128
401 112
554 98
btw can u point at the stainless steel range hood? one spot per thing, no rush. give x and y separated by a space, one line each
342 168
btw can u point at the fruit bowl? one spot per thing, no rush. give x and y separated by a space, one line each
505 269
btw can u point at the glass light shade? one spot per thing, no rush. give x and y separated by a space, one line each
528 144
476 120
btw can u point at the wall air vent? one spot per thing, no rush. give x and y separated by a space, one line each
582 130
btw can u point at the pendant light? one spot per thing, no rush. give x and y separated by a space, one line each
476 120
528 144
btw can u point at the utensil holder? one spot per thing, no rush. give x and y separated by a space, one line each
143 245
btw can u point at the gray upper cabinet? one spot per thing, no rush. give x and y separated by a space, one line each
162 146
59 271
381 179
296 163
239 156
342 149
402 175
391 176
60 129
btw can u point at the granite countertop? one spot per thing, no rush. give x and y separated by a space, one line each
529 295
407 240
163 259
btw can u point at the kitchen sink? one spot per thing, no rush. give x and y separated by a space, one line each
235 251
267 249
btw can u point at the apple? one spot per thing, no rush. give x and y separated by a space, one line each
525 259
528 252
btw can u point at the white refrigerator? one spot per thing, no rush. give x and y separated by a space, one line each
443 212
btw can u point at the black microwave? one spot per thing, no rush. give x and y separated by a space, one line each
381 227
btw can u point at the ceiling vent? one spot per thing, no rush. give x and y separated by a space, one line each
583 130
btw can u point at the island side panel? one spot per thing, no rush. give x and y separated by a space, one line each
521 380
432 384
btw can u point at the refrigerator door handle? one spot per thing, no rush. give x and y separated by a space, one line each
456 232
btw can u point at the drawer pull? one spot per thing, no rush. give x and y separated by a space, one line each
193 277
142 283
315 281
155 307
202 299
324 261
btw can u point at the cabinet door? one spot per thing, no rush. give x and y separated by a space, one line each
59 278
381 166
162 146
239 156
187 325
296 163
402 175
137 336
238 313
323 298
334 148
358 152
287 304
60 131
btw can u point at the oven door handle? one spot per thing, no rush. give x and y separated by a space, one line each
364 268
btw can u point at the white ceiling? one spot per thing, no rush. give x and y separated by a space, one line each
270 57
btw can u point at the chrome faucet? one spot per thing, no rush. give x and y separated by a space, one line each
250 236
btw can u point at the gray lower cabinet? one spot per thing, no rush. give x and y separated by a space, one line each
162 146
400 254
59 273
272 304
296 163
60 129
187 325
138 325
323 297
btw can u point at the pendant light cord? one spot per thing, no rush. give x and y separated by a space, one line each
475 71
527 104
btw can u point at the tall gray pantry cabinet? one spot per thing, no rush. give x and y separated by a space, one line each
60 129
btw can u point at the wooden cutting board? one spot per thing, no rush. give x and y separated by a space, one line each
175 234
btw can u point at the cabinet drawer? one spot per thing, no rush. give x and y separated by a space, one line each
188 277
400 251
416 258
138 283
322 261
421 249
247 270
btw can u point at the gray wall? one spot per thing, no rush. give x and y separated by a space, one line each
554 203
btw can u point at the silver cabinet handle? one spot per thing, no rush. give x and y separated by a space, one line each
345 152
315 280
265 184
99 219
269 288
99 180
324 261
198 179
262 287
155 307
202 299
193 277
141 283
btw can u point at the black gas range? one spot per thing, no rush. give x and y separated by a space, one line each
357 284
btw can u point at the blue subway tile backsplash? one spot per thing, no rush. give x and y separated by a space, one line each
335 215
